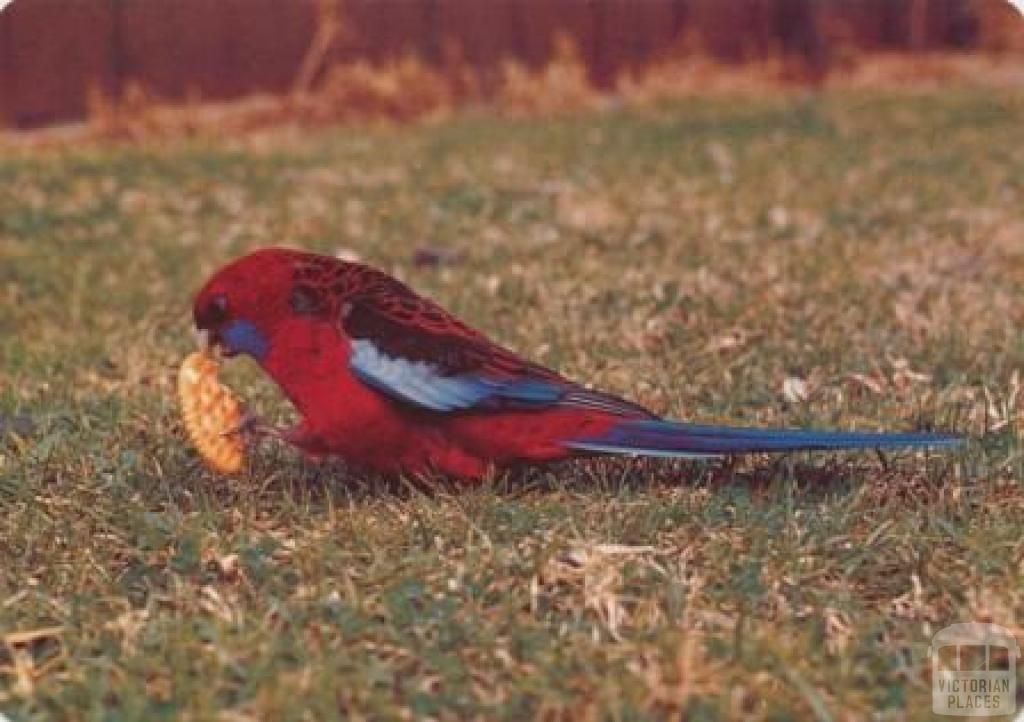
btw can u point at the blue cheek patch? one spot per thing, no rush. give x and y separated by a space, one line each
242 336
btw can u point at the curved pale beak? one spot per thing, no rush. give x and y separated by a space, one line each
202 337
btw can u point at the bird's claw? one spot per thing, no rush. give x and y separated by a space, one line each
253 426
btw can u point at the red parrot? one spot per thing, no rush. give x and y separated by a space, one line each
387 379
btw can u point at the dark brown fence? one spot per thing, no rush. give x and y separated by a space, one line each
53 51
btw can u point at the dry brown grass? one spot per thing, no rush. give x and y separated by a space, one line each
407 90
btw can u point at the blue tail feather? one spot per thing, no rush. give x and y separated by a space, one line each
672 438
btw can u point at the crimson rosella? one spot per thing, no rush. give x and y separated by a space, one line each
387 379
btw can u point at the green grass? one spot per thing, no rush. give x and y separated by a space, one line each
692 257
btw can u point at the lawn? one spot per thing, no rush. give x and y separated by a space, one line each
851 261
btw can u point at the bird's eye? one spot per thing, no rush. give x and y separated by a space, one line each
217 311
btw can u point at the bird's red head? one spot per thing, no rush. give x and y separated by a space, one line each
241 304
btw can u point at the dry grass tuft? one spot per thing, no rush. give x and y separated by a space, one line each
561 86
407 90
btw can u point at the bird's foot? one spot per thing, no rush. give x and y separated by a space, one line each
252 426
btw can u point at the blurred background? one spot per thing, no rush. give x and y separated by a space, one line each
66 60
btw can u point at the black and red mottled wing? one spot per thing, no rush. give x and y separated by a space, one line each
403 324
411 349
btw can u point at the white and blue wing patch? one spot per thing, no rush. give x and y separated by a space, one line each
422 384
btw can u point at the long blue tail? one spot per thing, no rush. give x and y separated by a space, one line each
646 437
